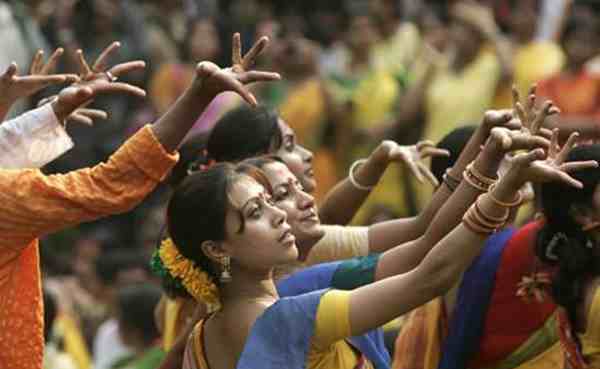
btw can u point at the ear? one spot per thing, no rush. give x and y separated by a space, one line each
213 250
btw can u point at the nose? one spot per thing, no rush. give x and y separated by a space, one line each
305 200
279 216
307 155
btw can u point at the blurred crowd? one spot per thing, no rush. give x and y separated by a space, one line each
354 72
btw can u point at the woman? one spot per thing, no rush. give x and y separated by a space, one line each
243 133
36 205
568 241
243 236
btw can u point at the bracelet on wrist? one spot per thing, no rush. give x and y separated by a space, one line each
514 203
357 185
450 182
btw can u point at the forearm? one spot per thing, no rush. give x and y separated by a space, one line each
385 235
386 299
344 200
173 126
406 257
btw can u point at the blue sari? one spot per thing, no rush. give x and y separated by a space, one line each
281 336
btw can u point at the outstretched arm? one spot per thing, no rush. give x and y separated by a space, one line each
375 304
385 235
41 204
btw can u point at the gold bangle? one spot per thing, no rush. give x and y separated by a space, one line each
483 178
451 182
489 218
472 224
511 204
474 182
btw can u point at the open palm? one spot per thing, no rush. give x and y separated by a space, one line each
14 86
215 80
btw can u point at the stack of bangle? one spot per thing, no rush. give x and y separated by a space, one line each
353 180
481 223
476 179
450 182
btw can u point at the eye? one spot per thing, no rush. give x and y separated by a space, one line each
289 144
256 211
281 195
269 200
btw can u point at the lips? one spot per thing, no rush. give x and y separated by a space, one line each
310 216
286 236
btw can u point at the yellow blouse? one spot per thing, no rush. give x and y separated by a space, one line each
328 349
34 205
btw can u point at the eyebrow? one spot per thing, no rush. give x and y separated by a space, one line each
249 201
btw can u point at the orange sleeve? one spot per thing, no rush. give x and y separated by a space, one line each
34 204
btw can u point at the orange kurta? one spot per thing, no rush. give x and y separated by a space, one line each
34 205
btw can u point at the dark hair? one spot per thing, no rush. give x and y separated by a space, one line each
454 142
561 241
136 307
192 149
197 209
243 133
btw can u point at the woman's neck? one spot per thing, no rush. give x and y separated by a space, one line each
250 286
305 245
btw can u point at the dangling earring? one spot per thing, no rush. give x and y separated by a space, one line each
225 269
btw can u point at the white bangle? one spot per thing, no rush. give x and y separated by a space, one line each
353 180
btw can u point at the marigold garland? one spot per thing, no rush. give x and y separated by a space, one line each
196 282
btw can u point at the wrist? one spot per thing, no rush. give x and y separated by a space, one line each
488 161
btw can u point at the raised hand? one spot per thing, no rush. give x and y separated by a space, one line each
82 115
213 80
413 156
103 76
536 166
507 140
98 79
531 116
14 87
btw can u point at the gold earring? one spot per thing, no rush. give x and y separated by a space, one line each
225 269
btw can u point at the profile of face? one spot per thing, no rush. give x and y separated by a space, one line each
203 42
296 157
299 206
257 235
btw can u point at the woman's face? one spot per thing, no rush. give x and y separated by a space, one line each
299 206
258 236
296 157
